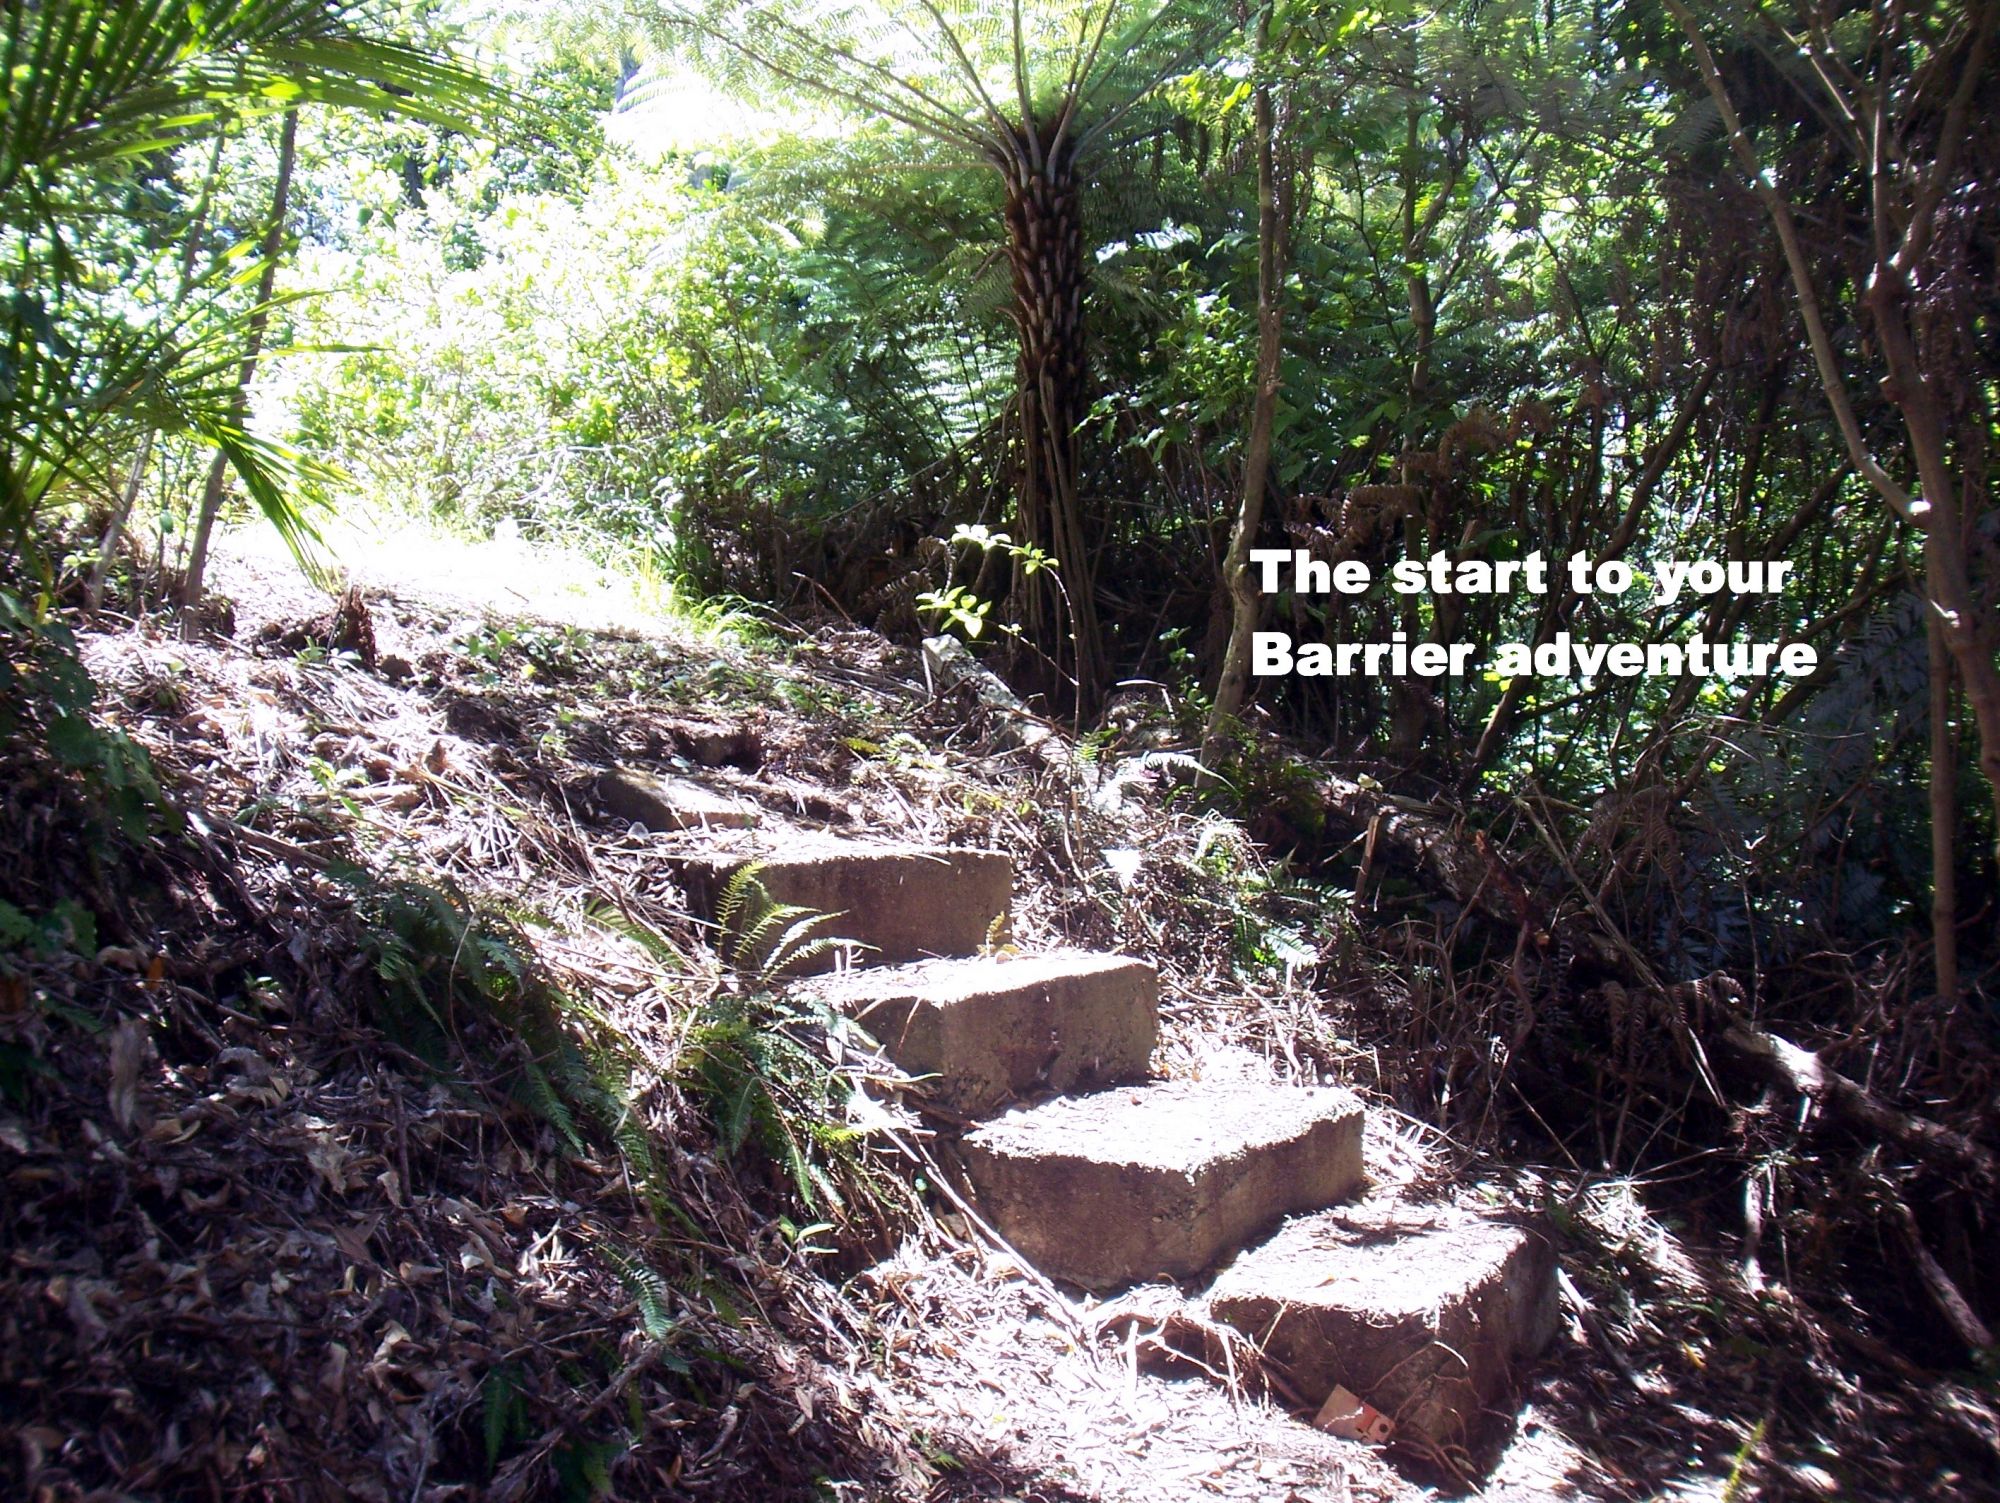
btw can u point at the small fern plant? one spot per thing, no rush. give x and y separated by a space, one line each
762 1067
762 938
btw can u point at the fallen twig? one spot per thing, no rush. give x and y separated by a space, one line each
1951 1303
1805 1072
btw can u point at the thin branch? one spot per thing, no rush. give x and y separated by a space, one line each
1910 509
1951 138
1664 453
1820 56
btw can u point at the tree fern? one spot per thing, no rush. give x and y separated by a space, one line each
1033 93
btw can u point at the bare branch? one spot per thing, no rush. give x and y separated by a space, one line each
1831 383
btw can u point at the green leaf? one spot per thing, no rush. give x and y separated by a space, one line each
504 1411
78 930
16 928
74 742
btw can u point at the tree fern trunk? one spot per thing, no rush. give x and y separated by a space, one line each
1045 255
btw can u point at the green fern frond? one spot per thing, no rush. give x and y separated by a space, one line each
797 945
696 1284
548 1103
744 887
657 946
801 1171
651 1293
829 1192
762 936
756 931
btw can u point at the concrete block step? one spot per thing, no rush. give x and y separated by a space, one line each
1422 1312
905 902
993 1028
670 803
1128 1184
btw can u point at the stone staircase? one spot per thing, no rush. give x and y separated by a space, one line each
1105 1179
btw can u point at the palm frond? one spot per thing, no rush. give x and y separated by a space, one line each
94 87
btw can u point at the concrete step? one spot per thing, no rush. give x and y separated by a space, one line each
905 902
1422 1312
994 1028
1128 1184
668 803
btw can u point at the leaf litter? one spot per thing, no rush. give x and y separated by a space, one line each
259 1244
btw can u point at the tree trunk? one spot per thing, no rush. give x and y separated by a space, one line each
1956 613
1045 255
1412 706
1944 816
218 470
1245 604
114 532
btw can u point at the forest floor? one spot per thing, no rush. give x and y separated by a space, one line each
262 1241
